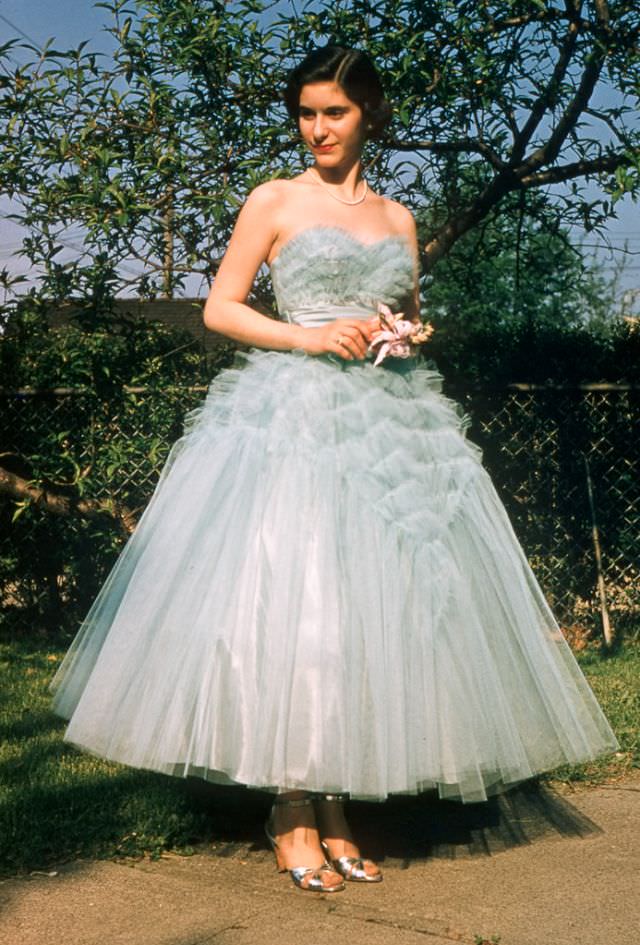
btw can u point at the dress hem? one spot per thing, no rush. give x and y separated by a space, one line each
495 784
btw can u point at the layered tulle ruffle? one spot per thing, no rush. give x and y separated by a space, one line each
325 593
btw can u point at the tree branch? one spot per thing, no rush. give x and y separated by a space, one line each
606 119
462 145
64 505
442 240
550 150
555 175
439 244
546 100
515 22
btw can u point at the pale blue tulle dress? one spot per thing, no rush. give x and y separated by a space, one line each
324 591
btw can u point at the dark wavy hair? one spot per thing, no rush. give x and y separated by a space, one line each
356 75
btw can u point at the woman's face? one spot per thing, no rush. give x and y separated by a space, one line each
331 125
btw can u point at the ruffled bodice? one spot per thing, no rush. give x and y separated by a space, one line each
324 272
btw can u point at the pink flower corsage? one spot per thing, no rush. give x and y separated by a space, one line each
399 337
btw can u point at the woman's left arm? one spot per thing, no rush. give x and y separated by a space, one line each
406 223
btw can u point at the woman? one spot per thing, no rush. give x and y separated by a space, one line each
324 595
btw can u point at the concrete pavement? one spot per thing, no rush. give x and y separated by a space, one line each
533 867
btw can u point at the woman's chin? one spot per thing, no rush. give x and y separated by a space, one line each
326 157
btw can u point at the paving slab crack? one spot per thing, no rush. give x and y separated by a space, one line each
430 926
231 927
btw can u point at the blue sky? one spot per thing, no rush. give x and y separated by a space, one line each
72 21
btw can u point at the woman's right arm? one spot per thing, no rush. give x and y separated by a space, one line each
226 311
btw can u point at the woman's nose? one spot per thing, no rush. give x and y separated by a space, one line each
319 129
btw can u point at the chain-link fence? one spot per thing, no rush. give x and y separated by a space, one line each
541 445
544 447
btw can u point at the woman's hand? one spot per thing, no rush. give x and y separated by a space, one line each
347 337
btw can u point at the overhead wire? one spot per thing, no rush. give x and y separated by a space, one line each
20 31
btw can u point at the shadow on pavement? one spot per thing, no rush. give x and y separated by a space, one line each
427 828
406 829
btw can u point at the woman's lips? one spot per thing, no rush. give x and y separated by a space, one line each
323 148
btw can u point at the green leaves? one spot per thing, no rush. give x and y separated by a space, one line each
190 103
627 178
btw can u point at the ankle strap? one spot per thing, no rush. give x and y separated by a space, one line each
340 798
301 802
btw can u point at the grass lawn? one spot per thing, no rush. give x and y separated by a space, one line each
57 803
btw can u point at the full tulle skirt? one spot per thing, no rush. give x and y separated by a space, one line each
325 593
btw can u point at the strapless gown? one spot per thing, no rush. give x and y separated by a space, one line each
324 591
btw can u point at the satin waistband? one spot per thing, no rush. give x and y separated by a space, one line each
313 317
316 315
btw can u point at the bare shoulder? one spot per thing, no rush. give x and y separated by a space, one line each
400 218
275 201
266 196
272 192
256 232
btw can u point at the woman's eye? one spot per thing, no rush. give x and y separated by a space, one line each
330 113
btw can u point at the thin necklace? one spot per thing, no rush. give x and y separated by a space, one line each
350 203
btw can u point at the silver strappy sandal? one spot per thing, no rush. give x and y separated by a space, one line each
351 868
308 878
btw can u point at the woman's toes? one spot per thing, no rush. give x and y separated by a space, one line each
330 880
